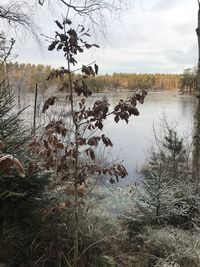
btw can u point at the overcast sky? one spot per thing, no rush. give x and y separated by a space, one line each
157 36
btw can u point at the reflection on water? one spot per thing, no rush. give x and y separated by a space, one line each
133 141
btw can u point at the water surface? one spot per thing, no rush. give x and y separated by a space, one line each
133 141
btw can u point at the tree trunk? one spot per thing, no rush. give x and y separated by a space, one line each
76 214
196 134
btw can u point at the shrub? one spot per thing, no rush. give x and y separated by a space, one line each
167 195
173 247
100 239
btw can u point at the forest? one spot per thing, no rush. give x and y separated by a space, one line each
67 197
26 76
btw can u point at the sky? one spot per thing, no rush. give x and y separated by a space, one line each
153 36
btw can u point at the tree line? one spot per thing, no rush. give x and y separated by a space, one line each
25 76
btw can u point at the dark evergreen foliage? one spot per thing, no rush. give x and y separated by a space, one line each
167 195
21 198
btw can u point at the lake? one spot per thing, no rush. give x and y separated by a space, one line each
133 141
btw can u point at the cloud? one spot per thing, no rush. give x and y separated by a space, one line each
184 57
160 37
164 5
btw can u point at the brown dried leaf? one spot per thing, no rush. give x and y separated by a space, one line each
19 167
81 141
59 24
95 45
88 70
91 127
60 145
106 140
99 125
67 21
93 141
49 102
116 118
8 161
90 153
46 145
53 45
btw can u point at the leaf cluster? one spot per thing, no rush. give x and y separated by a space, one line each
71 42
72 152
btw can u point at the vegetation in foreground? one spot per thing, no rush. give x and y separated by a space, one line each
159 225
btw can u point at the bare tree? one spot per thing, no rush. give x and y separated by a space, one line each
74 159
86 7
93 12
19 14
5 52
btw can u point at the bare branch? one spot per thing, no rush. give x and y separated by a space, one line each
19 14
93 11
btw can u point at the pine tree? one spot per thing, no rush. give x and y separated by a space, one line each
155 195
21 198
167 195
171 154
